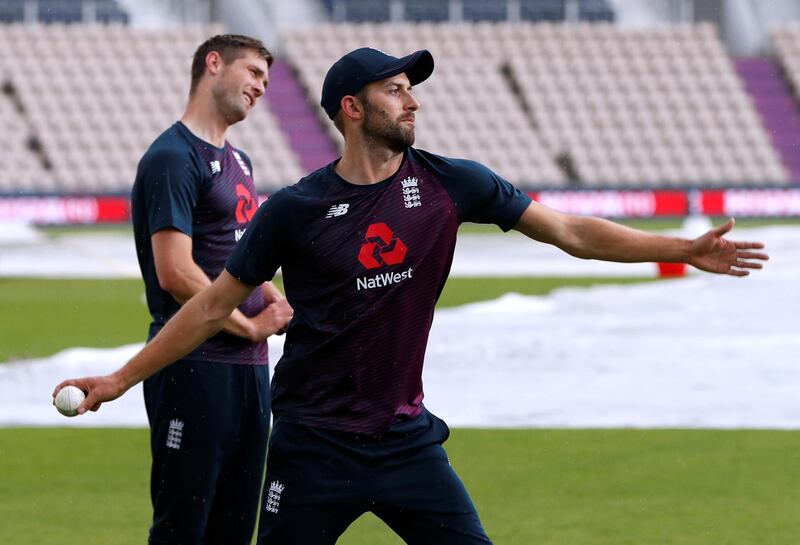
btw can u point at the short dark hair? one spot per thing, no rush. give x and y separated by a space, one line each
338 119
230 47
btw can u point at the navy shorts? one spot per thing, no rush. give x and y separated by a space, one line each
209 424
318 482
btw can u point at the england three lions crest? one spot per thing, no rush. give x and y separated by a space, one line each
411 196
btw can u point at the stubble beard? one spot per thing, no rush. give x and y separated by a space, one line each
380 129
229 104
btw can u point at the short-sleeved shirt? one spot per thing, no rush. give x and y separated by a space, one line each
363 267
189 185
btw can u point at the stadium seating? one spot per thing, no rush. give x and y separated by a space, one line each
62 11
778 105
437 11
12 11
96 96
786 40
613 107
546 105
22 165
661 106
467 110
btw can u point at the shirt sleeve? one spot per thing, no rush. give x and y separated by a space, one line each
481 196
171 188
262 249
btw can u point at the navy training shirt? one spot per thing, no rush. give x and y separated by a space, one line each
363 267
208 193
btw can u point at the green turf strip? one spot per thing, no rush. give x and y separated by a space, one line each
548 487
462 290
39 317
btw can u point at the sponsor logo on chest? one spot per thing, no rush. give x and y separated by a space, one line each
383 279
381 248
246 207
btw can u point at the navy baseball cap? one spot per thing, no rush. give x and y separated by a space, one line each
352 72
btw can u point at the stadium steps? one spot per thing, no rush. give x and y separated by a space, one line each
21 128
776 106
562 160
298 119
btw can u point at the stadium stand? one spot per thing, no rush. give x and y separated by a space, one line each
611 107
12 11
455 121
62 11
663 106
778 104
547 105
23 165
439 11
94 97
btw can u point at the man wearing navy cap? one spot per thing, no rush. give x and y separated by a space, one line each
365 245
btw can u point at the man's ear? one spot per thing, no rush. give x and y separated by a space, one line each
214 62
352 107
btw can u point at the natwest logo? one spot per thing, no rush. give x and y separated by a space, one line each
381 247
246 205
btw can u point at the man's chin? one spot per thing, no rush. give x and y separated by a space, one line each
235 115
407 139
401 144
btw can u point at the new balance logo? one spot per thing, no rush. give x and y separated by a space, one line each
337 210
175 434
274 496
411 197
216 168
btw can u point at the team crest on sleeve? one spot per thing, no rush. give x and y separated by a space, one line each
411 197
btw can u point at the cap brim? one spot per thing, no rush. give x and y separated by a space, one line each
418 67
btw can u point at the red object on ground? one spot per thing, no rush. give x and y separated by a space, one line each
671 270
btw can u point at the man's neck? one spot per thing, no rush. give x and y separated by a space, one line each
205 122
365 165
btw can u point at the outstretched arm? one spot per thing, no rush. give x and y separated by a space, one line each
200 318
595 238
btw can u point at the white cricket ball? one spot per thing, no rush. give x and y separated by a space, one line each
67 400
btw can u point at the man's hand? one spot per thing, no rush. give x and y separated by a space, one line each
712 253
274 319
97 390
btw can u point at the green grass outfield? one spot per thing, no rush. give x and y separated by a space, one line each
39 317
543 487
